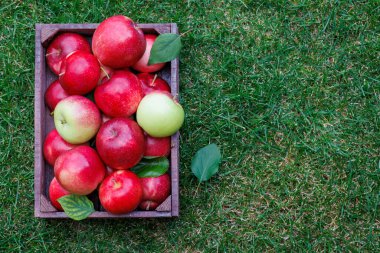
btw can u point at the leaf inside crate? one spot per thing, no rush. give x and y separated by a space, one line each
77 207
151 167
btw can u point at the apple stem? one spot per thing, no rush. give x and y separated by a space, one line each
154 79
52 113
105 72
55 52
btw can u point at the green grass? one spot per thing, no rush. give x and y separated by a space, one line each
290 91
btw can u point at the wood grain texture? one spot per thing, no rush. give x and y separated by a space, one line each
44 124
166 205
175 138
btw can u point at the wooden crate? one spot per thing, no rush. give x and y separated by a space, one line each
43 124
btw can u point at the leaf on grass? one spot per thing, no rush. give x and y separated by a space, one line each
165 48
77 207
206 162
151 167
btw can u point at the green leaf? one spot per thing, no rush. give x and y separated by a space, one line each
152 167
77 207
206 162
165 48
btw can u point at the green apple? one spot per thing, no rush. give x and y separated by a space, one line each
77 119
159 114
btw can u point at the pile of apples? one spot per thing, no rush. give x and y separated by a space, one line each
115 70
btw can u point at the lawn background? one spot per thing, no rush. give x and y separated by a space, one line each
290 92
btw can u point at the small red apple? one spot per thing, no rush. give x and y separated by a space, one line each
55 145
120 192
53 94
142 64
150 83
157 146
79 73
118 42
120 143
63 45
120 95
155 191
55 192
79 170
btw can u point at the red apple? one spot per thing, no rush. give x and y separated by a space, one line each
118 42
53 94
155 191
55 145
142 64
150 83
120 95
55 192
120 143
63 45
80 73
79 170
120 192
157 146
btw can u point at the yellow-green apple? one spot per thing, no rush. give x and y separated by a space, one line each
79 73
120 192
77 119
155 191
79 170
53 94
120 143
55 192
120 95
55 145
150 82
63 45
159 114
157 146
142 64
118 42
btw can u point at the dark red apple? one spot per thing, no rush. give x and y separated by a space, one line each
79 170
80 73
120 95
120 143
118 42
55 192
155 191
55 145
63 45
120 192
142 64
53 94
157 146
151 83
